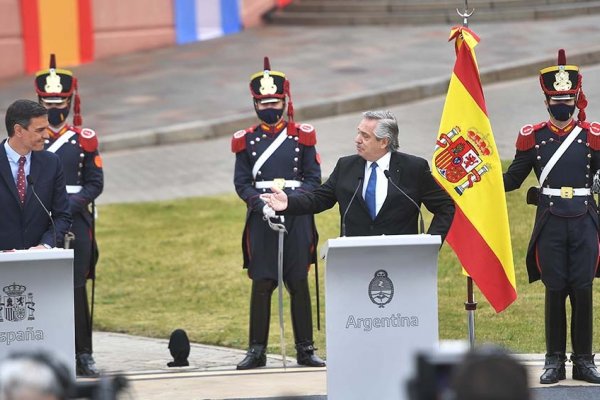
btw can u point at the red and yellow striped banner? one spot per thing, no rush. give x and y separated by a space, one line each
62 27
467 165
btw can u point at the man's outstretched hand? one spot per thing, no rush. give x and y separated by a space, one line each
277 200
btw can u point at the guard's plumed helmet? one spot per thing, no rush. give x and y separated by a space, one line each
267 86
563 82
54 85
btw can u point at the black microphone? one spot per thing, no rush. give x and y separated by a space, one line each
30 182
360 179
421 223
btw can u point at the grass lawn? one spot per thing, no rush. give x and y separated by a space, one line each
177 264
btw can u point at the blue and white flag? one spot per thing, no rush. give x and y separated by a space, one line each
205 19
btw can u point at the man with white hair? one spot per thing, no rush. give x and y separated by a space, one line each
379 190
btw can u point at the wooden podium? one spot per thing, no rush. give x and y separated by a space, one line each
381 309
36 303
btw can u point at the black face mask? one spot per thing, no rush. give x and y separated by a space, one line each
56 116
270 115
561 111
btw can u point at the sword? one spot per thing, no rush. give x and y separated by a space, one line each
280 228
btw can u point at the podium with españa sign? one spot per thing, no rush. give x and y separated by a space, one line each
36 303
381 308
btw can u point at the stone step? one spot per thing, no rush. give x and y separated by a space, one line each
412 6
374 16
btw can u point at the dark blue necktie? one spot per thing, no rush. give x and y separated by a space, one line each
370 192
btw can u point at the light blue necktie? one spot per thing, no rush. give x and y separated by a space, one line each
370 192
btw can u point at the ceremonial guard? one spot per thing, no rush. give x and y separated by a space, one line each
78 150
564 154
276 152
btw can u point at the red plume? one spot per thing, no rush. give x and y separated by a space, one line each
77 120
52 61
286 90
562 58
581 104
267 64
290 111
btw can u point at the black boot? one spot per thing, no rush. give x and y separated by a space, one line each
260 318
554 369
305 355
302 324
556 336
86 366
255 357
584 368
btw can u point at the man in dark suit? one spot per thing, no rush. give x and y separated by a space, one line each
24 224
369 203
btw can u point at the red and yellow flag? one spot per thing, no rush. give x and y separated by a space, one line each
467 165
62 27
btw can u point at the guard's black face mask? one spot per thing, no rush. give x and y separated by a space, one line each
270 115
57 116
561 111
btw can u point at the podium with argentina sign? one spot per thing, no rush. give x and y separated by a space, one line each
381 308
36 302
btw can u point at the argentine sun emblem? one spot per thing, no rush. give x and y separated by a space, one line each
460 162
381 288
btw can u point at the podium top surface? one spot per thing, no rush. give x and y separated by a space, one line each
34 255
380 241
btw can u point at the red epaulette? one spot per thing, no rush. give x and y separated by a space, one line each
593 133
306 134
238 141
88 140
526 138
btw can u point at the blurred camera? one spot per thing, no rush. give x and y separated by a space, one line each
104 388
485 372
434 371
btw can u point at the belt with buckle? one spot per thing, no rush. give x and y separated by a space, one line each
567 192
74 189
280 183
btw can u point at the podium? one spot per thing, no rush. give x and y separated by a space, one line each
36 303
381 309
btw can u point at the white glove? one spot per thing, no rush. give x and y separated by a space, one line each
596 183
269 212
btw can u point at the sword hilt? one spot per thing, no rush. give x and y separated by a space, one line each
277 227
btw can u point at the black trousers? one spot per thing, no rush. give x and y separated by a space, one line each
83 328
260 311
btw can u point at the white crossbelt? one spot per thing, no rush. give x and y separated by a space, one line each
74 189
558 192
558 154
269 152
62 139
270 184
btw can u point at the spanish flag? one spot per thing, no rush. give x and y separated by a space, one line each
61 27
467 165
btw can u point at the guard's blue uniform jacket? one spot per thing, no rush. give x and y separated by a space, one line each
563 249
297 163
84 177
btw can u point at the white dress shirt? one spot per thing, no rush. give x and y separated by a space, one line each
382 183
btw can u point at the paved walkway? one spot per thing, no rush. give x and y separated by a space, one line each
201 90
212 374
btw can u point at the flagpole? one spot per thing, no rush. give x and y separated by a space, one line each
470 304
